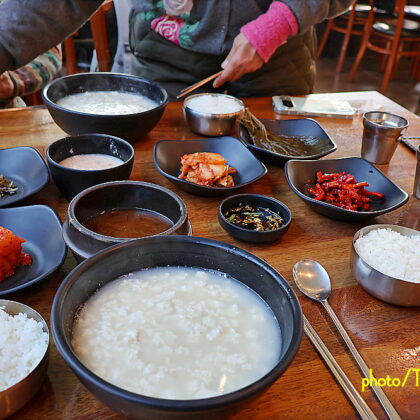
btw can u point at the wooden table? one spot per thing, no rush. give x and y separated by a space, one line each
386 336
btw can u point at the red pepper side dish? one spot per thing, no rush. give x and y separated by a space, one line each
11 255
342 190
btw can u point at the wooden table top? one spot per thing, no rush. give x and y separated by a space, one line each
387 336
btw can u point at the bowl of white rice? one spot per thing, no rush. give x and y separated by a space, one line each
166 328
386 263
212 114
24 340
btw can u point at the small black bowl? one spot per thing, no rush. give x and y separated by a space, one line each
123 195
298 127
167 158
41 228
301 173
25 167
71 181
255 200
130 127
184 251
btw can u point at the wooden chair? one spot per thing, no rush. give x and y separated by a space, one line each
391 38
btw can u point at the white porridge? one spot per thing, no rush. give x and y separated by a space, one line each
92 161
107 103
214 104
177 333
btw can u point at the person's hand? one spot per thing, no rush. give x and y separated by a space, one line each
242 58
7 87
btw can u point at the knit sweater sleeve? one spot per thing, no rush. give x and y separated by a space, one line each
21 37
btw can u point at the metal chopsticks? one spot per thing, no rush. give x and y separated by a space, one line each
358 402
189 89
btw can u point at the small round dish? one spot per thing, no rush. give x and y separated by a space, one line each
25 167
40 226
71 181
16 396
384 287
260 201
120 195
211 123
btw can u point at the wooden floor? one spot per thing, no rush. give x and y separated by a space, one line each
403 89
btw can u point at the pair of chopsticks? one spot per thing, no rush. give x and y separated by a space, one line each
189 89
358 402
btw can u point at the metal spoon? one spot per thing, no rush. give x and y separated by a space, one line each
314 282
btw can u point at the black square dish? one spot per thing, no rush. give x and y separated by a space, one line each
301 173
25 167
41 229
167 158
298 127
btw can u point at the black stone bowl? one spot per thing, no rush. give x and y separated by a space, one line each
130 127
255 200
123 195
121 259
301 173
71 181
167 156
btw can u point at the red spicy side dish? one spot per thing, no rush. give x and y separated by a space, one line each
11 255
342 190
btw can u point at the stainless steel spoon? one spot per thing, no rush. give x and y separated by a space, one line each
313 281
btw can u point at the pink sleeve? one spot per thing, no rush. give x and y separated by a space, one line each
271 29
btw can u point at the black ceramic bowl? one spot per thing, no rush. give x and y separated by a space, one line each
299 174
254 200
130 127
167 158
119 195
298 127
25 167
71 181
113 262
40 226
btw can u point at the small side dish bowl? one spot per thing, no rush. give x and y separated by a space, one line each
255 201
183 251
299 128
129 126
120 195
300 174
16 396
25 167
212 122
167 156
382 286
71 181
40 227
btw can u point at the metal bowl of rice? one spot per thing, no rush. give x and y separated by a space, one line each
212 114
24 341
385 261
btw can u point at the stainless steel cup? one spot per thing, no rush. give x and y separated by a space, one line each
381 131
416 189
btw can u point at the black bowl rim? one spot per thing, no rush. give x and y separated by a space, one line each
42 184
211 115
262 197
279 155
54 163
52 269
339 209
72 219
205 187
166 404
49 102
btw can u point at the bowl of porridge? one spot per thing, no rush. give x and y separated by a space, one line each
109 103
176 327
79 162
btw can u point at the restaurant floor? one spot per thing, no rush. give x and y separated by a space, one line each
403 89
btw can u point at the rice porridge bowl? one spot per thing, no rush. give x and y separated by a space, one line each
214 104
177 333
107 103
